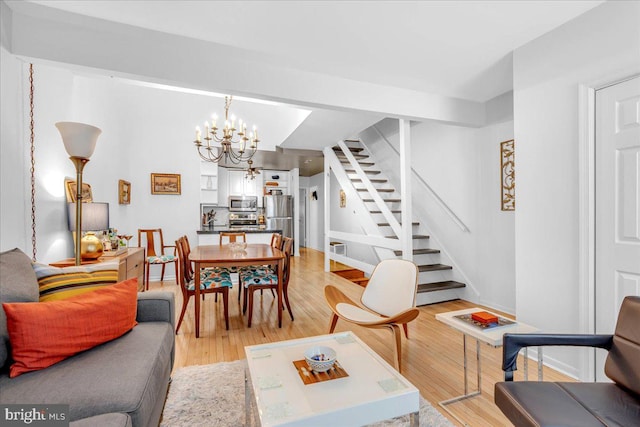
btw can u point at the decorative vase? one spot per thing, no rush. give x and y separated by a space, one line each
90 246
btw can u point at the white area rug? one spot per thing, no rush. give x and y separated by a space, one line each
213 395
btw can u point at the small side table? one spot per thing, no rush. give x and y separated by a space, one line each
492 337
130 264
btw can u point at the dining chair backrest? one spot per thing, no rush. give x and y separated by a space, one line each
186 247
276 240
287 248
392 287
147 236
182 275
232 237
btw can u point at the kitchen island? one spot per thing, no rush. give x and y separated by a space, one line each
255 234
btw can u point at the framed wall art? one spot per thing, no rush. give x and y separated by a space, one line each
71 190
124 192
165 183
508 175
343 199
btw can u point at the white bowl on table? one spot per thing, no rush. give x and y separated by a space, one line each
320 358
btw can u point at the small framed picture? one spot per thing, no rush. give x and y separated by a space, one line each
124 192
165 183
72 188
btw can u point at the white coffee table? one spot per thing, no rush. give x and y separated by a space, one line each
492 337
373 391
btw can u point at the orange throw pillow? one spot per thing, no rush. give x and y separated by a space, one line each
44 333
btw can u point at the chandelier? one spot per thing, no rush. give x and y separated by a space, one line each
239 150
251 171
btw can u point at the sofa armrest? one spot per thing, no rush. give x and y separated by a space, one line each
156 306
513 343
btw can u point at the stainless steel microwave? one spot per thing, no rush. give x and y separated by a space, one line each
243 203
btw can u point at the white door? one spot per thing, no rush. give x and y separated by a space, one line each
617 242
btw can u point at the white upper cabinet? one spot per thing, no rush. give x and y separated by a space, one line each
239 185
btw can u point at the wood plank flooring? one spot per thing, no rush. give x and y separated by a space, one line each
431 358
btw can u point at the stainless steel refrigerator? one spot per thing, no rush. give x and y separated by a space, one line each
278 212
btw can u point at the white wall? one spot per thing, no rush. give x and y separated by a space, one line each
601 45
15 223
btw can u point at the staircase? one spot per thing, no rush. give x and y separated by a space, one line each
435 283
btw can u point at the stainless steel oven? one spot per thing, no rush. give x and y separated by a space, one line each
243 203
243 220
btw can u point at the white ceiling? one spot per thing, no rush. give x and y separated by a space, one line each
452 48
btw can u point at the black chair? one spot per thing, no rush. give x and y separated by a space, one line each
533 403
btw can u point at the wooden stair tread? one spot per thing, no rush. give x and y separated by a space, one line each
355 156
360 163
376 180
415 236
379 190
352 149
368 172
359 279
439 286
420 252
386 224
434 267
384 200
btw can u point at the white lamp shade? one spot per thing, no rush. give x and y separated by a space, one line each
79 139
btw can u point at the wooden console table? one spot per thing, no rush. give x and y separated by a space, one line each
130 264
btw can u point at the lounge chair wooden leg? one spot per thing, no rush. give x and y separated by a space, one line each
406 330
395 330
162 273
146 285
332 325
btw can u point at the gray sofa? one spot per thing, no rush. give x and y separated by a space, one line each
120 383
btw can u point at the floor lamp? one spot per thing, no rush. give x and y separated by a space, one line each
80 141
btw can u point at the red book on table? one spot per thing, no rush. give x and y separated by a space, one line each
484 317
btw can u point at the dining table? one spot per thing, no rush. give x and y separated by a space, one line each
204 256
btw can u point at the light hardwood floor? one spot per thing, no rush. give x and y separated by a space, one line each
431 358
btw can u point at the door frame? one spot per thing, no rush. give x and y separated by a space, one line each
305 197
586 210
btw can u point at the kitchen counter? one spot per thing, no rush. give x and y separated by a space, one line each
225 228
255 234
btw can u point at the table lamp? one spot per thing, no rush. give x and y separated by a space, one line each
95 217
80 141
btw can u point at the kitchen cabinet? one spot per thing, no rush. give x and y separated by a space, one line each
239 185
